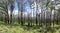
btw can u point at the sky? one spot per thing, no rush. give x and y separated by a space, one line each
16 6
15 11
27 9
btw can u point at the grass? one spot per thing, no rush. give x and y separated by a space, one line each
16 28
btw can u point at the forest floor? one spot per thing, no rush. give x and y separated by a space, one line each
16 28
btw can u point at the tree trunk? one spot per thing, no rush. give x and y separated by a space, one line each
21 15
18 13
10 18
28 21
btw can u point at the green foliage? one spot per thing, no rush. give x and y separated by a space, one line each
16 28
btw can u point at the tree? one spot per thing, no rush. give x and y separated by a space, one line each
4 9
18 13
29 17
11 3
58 11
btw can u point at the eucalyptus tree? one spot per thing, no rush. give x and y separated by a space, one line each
4 9
11 3
36 12
24 9
20 9
24 5
48 5
4 4
30 2
58 11
58 16
22 12
1 16
51 6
